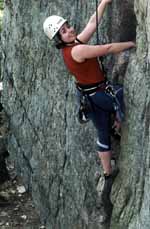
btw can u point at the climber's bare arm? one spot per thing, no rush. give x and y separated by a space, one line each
90 28
82 52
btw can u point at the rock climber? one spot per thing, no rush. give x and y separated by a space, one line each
81 60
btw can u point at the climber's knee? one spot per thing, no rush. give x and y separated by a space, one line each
103 146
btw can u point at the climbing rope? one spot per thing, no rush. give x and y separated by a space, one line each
109 89
97 33
100 58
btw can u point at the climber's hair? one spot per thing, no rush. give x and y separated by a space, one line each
59 44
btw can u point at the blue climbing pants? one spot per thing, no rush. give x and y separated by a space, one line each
102 106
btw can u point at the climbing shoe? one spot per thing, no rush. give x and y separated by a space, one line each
109 179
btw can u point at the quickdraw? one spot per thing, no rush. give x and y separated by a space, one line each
119 114
83 110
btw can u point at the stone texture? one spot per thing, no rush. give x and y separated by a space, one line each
132 208
55 154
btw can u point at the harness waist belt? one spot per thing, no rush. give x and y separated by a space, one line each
91 88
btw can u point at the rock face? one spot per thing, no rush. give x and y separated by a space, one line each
55 154
132 207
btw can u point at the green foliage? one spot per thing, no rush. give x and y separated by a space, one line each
1 4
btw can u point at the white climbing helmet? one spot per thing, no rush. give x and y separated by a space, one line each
52 25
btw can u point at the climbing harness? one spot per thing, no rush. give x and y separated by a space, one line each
85 102
91 88
116 104
88 90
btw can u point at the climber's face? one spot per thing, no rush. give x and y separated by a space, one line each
67 33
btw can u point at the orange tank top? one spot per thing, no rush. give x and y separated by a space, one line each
87 72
